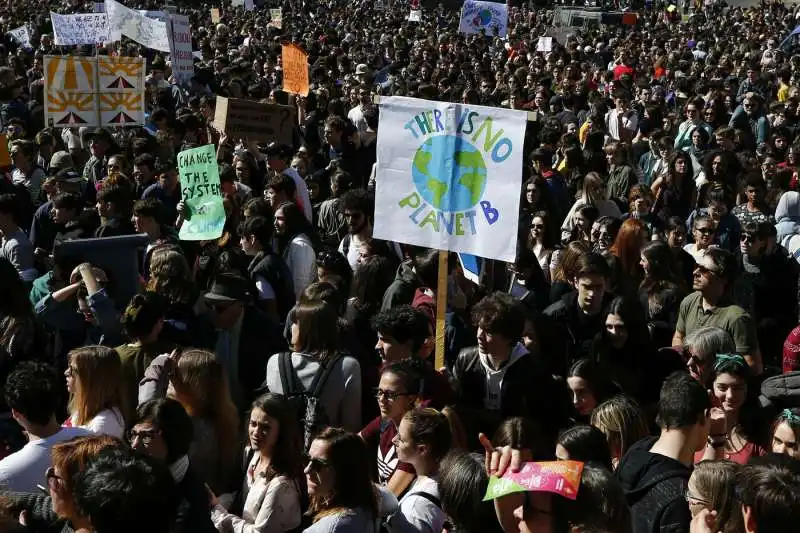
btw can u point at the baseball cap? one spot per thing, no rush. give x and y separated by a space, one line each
61 161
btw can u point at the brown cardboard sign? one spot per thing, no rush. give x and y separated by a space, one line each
255 121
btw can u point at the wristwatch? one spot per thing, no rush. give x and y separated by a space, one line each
716 441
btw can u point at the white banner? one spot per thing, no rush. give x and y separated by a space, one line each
545 44
449 176
83 28
132 24
180 51
276 18
489 17
22 35
415 15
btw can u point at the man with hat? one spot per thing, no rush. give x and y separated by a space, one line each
277 158
43 228
245 337
95 170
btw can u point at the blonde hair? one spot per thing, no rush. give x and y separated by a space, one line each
201 386
98 383
715 482
622 422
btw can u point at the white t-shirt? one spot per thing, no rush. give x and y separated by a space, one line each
106 422
302 192
23 470
418 514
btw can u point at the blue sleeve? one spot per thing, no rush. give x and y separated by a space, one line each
60 315
104 311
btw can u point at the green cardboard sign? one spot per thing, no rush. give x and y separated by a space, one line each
201 192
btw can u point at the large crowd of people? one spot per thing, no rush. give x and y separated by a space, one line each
283 377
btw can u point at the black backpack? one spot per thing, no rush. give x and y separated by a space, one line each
307 403
781 391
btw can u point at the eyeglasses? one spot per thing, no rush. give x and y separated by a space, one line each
693 360
747 237
146 436
315 464
537 226
702 270
50 475
705 231
390 395
691 498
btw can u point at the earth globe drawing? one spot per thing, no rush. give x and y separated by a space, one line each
448 183
485 17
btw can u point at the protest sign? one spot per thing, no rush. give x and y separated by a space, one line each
93 91
295 69
180 48
144 30
449 175
558 477
415 15
255 121
276 18
201 193
70 91
83 28
158 15
237 3
249 5
545 44
215 15
99 7
489 17
22 35
121 90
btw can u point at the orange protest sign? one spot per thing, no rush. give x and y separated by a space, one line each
215 15
295 70
5 157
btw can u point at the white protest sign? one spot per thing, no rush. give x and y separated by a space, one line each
249 5
276 18
180 51
99 7
237 3
489 17
415 15
449 175
82 28
545 44
158 15
132 24
22 35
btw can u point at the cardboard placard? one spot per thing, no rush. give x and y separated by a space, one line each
295 70
255 121
215 15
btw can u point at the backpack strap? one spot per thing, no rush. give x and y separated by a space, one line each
346 244
430 497
318 384
289 382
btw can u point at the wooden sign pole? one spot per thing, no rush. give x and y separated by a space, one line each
441 308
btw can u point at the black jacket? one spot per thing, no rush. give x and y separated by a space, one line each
527 389
655 487
260 337
272 268
567 336
192 514
401 291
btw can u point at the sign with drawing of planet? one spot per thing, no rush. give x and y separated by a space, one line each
448 176
489 18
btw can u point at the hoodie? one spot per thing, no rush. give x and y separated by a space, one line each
787 216
494 378
401 290
655 487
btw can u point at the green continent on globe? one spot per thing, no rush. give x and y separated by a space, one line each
472 181
438 190
423 157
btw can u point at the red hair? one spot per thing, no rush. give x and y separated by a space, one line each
628 246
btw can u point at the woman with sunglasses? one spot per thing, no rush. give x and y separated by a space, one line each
423 439
734 426
703 231
95 383
712 486
271 488
342 497
694 121
786 433
397 391
543 240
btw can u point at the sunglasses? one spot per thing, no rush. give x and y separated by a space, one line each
390 395
315 464
746 237
705 231
700 269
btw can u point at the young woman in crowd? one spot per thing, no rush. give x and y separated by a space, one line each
397 394
604 233
589 386
422 440
675 191
583 443
315 344
592 194
583 219
703 230
98 401
712 486
462 485
661 292
622 422
734 427
676 239
627 249
342 497
786 433
543 241
567 269
198 381
294 245
171 277
273 483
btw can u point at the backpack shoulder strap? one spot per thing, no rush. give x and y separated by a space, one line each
346 244
430 497
288 375
322 376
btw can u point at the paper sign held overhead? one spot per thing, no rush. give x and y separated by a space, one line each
180 47
545 44
202 194
255 121
415 15
22 35
276 18
449 175
490 18
82 28
144 30
558 477
216 17
295 69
